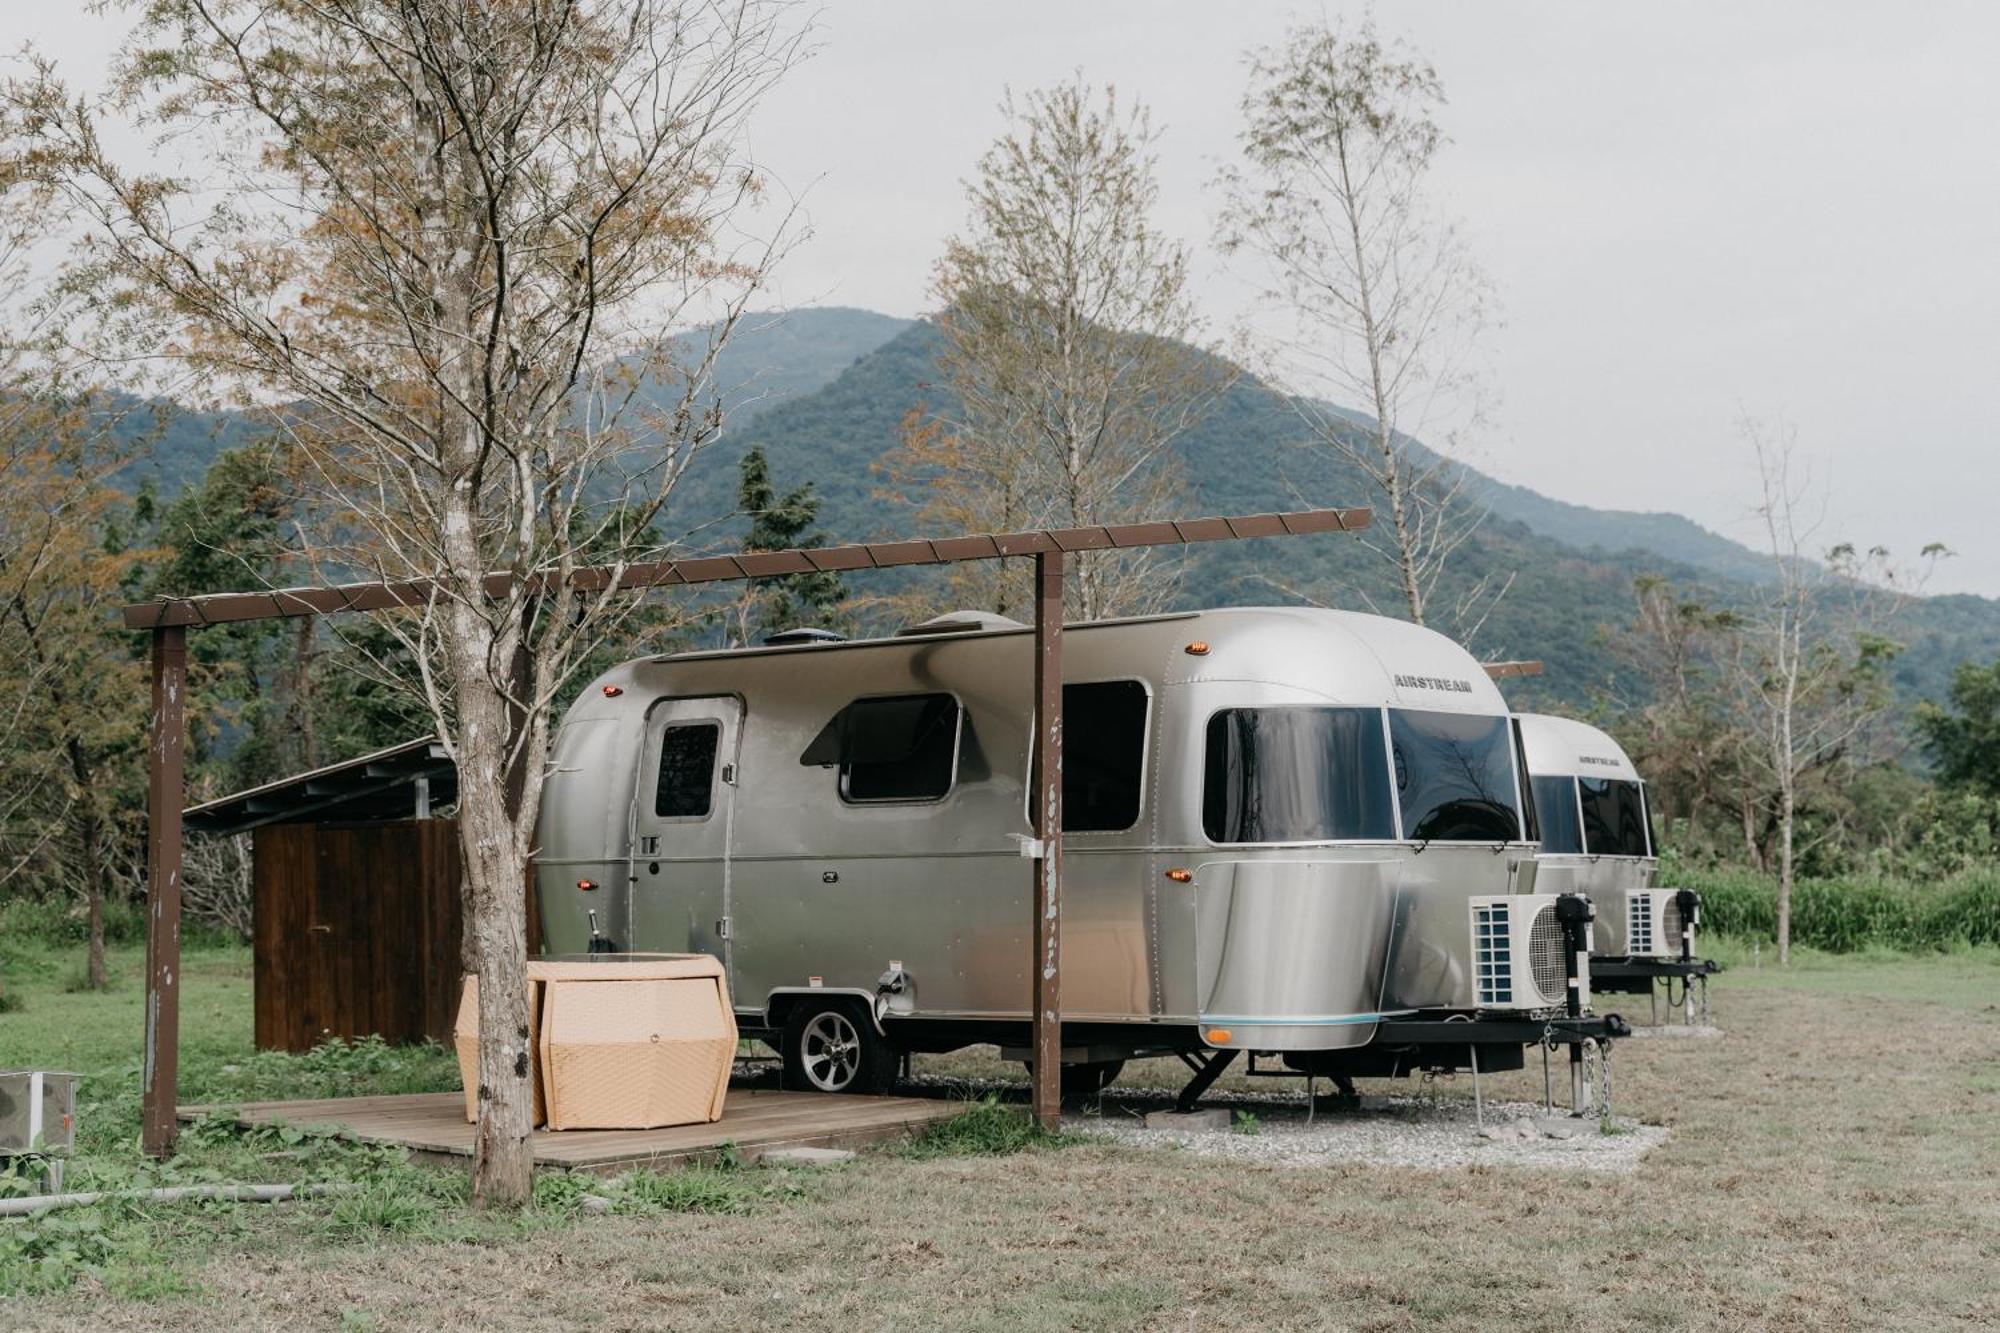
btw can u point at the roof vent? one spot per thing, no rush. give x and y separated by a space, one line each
788 638
959 622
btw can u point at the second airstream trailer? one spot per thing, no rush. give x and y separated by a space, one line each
1597 838
1290 831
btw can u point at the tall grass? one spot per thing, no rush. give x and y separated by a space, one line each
1844 914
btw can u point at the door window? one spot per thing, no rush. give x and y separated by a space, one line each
686 789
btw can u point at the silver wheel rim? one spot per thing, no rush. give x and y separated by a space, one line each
830 1051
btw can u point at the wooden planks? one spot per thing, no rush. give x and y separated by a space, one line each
358 929
754 1121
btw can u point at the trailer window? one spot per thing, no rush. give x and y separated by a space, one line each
687 770
1454 776
1296 775
1104 755
1555 804
900 748
1614 817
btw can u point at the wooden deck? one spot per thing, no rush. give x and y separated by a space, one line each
754 1121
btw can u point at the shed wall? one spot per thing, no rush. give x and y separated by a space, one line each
357 932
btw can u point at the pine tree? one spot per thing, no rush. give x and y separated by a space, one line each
782 523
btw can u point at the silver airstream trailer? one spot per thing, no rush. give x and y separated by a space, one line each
1597 839
1289 831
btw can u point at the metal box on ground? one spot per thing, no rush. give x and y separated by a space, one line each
635 1043
37 1113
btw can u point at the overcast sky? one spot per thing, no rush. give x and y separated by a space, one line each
1691 212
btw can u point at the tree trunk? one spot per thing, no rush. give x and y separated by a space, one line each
89 829
1752 848
1787 810
496 929
90 847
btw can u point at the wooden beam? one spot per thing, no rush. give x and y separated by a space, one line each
1047 1041
1502 670
227 607
165 792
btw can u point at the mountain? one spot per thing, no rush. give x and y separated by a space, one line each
1573 567
1666 535
825 391
772 358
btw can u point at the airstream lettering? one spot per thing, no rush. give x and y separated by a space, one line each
1273 838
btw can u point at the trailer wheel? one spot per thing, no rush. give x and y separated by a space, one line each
1082 1082
834 1048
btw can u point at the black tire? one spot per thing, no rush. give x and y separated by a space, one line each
1082 1082
832 1046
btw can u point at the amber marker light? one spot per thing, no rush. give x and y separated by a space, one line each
1218 1036
613 691
1199 648
1179 875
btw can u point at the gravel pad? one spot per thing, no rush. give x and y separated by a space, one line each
1398 1131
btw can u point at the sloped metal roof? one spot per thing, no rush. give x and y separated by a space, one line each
382 785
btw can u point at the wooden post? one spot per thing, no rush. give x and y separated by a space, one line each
160 1072
1048 830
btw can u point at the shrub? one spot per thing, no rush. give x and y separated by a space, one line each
984 1127
1847 913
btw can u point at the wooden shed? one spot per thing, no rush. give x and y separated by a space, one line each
355 898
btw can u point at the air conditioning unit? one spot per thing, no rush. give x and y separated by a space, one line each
1654 922
1518 953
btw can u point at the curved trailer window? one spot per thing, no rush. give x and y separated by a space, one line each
1296 775
892 748
1614 817
1455 776
1555 803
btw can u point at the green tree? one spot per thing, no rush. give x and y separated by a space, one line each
781 523
1964 739
250 694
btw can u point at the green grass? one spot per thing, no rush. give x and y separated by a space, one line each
144 1251
1835 1163
986 1127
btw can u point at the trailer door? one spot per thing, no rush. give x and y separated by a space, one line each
681 822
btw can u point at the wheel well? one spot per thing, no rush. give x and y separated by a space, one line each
781 1004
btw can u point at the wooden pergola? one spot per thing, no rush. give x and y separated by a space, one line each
168 620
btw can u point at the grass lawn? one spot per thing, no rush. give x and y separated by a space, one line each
1835 1164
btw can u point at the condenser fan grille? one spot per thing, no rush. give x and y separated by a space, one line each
1639 909
1493 954
1545 954
1670 923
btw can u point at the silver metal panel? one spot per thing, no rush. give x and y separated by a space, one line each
1431 955
1289 955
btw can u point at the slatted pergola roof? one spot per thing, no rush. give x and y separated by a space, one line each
169 618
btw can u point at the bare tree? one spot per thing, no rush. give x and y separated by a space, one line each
455 240
1067 346
1379 302
1809 670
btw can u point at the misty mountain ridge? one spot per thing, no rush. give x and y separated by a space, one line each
824 391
